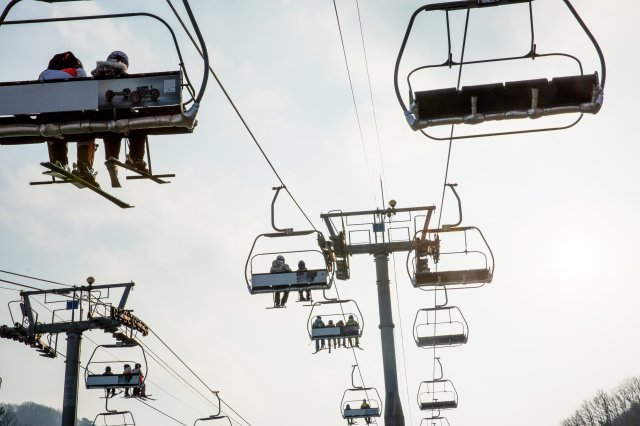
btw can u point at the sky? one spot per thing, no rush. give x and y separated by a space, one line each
557 208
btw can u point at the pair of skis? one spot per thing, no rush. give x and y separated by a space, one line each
67 177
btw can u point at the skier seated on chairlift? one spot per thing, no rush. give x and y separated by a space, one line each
352 322
140 390
302 268
364 406
63 66
128 373
318 323
117 65
350 421
107 372
333 339
279 266
341 341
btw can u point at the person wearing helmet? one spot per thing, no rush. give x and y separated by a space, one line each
302 268
117 65
107 372
279 266
364 406
64 66
127 372
318 323
140 390
351 322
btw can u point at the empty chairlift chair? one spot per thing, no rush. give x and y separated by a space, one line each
437 394
579 93
435 421
453 257
440 326
114 418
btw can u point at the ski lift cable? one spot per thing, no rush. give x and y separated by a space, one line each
375 119
165 365
160 411
353 97
241 117
34 278
8 288
19 285
446 173
196 376
404 358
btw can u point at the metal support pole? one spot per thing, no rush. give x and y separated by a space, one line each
71 375
393 415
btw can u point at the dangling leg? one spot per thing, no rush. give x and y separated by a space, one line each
276 299
135 158
86 149
58 154
112 144
285 297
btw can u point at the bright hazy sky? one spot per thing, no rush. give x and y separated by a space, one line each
558 208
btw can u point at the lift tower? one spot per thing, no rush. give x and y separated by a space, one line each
92 313
379 233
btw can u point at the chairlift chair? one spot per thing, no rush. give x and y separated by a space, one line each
217 416
319 273
66 109
442 326
335 311
438 394
352 401
579 93
469 264
434 421
114 418
98 380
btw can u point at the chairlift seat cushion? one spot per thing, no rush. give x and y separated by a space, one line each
570 94
469 276
362 412
101 381
438 405
574 90
441 103
56 102
321 332
518 94
444 340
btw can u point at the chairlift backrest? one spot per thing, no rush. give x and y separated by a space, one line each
35 111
